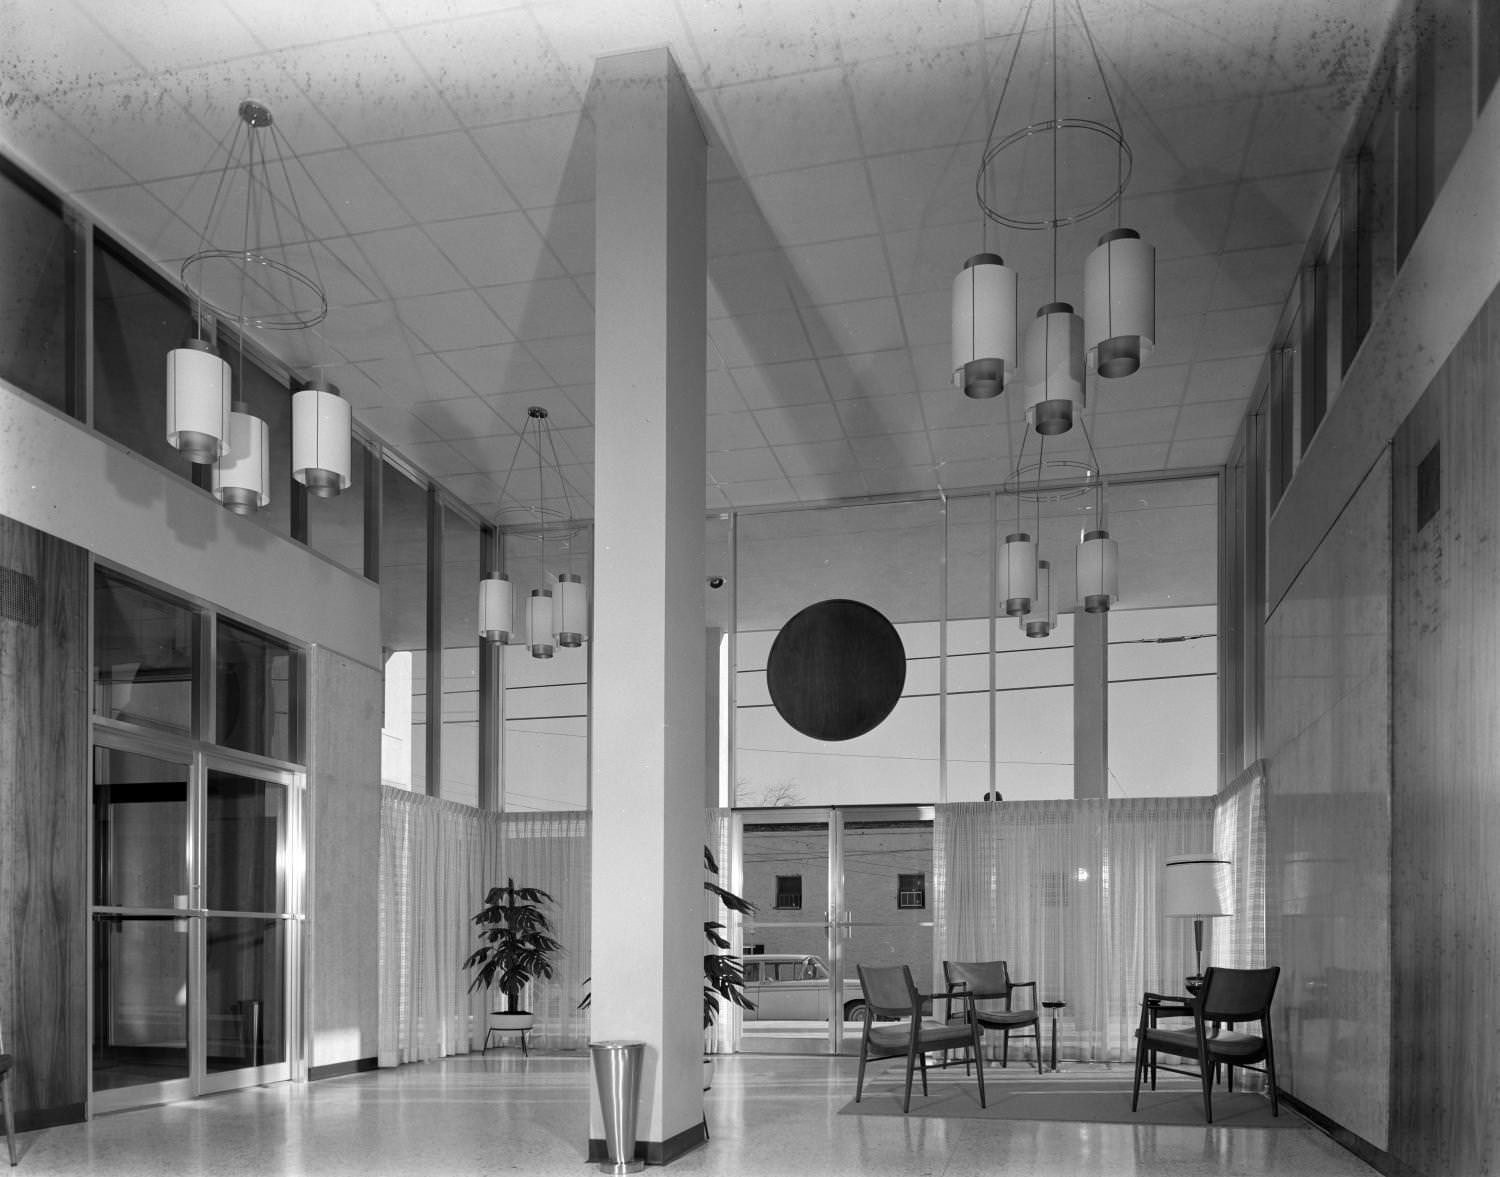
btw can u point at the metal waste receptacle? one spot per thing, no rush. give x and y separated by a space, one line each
617 1072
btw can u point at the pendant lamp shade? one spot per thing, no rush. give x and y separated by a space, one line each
321 421
539 622
1040 622
570 611
197 401
1054 368
1017 573
1098 571
242 475
984 326
1119 303
497 605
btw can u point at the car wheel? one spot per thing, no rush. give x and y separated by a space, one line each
854 1011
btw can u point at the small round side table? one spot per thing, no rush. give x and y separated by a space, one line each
1054 1006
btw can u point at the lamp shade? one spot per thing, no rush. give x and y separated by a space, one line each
321 421
570 611
1042 619
1054 368
984 326
1017 573
1119 303
197 401
496 607
1098 571
539 623
1196 885
242 474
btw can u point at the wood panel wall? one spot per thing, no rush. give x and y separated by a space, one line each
1445 803
43 793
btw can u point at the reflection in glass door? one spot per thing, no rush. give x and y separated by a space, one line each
193 926
834 888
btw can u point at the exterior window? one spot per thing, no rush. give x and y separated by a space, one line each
789 891
403 614
145 655
911 891
257 688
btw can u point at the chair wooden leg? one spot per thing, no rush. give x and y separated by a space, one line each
1005 1050
1206 1070
10 1120
1037 1040
1270 1073
979 1067
922 1062
1140 1064
859 1084
911 1062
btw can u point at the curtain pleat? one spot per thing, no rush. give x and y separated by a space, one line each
438 859
1240 836
1066 892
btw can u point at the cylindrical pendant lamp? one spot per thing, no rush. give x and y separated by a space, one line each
197 401
1119 303
984 326
570 611
496 607
1054 368
1098 571
539 622
321 421
242 474
1041 620
1017 573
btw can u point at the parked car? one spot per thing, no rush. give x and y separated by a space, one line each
793 987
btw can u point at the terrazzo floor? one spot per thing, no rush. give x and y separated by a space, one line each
770 1116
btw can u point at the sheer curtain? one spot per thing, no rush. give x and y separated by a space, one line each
1066 891
1240 836
437 861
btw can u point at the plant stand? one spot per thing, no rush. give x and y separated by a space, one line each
504 1023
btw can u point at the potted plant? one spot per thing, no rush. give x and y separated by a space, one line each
517 946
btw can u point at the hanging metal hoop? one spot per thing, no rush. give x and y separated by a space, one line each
1056 126
248 266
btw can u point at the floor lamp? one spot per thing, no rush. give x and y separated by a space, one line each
1196 887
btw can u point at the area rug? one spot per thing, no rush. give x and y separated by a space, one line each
1097 1099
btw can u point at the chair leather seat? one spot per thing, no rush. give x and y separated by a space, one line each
999 1018
1222 1043
895 1035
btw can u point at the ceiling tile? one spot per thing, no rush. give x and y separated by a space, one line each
758 494
819 457
757 39
504 367
1153 386
1213 451
1253 277
827 487
816 204
438 458
454 320
870 374
892 451
461 417
897 480
799 423
543 161
541 309
439 177
577 34
760 339
395 424
568 230
348 199
154 33
1276 211
989 444
838 271
405 262
905 102
496 250
734 431
871 325
927 318
1214 380
928 259
493 67
1214 419
723 396
1236 333
742 283
923 189
568 359
876 415
770 385
756 465
755 116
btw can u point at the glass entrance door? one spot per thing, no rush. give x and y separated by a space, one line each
834 888
193 925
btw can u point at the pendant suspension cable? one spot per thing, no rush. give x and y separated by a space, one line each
1114 110
982 181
